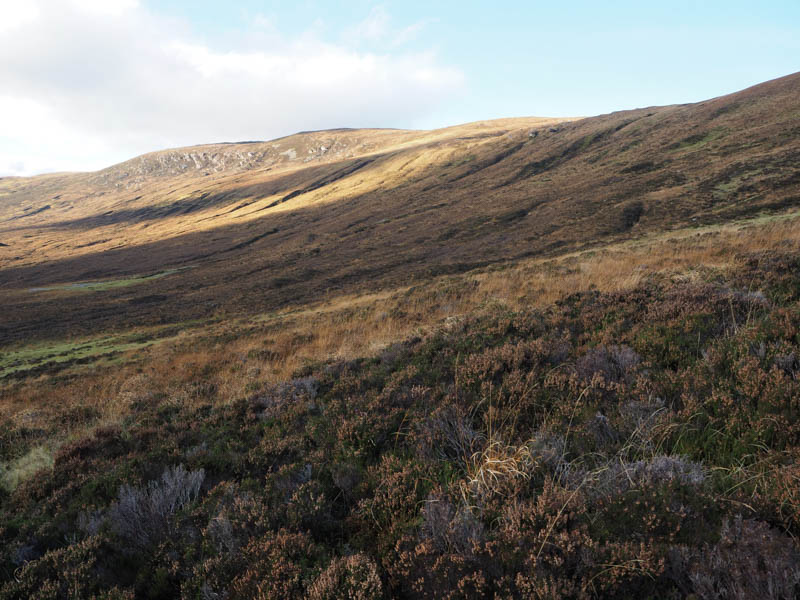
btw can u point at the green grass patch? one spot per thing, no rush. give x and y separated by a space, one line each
99 286
82 351
697 141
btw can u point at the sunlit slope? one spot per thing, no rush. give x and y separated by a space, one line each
260 225
158 195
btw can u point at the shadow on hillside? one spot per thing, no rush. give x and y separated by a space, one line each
611 178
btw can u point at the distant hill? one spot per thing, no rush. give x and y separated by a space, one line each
348 210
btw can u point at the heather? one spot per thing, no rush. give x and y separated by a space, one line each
637 443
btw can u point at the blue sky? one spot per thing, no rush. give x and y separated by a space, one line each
104 80
557 58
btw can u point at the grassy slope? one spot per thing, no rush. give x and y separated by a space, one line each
472 409
444 202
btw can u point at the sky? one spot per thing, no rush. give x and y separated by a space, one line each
85 84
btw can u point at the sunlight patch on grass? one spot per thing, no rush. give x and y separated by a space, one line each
17 471
79 351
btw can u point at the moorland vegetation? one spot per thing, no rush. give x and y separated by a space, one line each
534 359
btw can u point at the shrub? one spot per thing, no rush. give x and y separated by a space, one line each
751 560
620 476
352 577
272 400
220 530
450 528
448 435
474 463
788 363
68 572
142 515
277 566
614 363
421 571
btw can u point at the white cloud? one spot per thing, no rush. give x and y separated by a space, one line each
34 140
375 27
89 82
409 33
15 14
114 8
264 23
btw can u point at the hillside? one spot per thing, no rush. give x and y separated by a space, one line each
384 207
521 358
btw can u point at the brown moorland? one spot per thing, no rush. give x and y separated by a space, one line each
244 228
517 358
